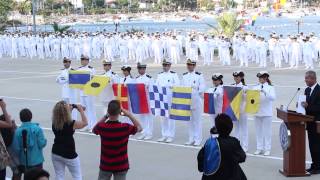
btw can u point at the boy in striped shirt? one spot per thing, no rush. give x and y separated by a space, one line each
114 137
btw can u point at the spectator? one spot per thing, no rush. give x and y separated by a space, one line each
114 142
4 155
36 174
35 142
7 135
63 149
222 162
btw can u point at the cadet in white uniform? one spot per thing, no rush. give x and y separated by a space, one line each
146 119
241 126
168 79
85 100
69 95
217 91
196 81
107 95
263 118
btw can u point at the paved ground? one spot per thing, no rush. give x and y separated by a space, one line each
31 83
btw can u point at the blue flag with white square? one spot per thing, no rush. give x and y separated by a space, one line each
158 97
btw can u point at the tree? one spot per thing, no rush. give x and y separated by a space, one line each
57 28
228 24
24 7
5 8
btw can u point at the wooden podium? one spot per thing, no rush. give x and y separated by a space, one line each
294 158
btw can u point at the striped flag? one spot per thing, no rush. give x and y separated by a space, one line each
181 103
77 79
120 91
232 97
159 100
208 103
138 98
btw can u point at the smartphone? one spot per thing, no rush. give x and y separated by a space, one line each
121 113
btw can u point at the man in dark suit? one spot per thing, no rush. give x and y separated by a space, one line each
312 106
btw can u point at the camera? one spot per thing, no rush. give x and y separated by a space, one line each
74 106
1 99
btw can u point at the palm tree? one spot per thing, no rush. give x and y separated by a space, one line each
228 24
58 28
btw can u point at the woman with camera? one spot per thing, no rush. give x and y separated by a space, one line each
63 150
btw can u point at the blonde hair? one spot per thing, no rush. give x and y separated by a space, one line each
60 115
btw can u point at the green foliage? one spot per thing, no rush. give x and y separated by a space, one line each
228 24
24 7
5 8
57 28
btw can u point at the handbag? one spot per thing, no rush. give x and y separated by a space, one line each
4 155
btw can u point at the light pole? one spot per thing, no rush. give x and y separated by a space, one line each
34 16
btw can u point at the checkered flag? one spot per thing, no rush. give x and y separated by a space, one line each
158 96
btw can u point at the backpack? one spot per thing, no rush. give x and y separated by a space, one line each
212 156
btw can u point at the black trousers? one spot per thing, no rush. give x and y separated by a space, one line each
314 145
3 174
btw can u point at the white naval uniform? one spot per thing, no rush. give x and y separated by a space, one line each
240 129
107 94
168 79
263 118
146 119
88 101
218 101
196 81
69 95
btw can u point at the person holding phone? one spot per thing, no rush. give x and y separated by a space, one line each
63 150
114 141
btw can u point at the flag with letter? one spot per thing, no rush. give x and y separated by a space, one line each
181 103
252 101
77 79
159 100
96 85
120 91
138 98
232 97
208 103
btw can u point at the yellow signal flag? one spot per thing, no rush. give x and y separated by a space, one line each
252 101
96 85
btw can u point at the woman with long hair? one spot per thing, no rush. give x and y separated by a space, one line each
263 118
241 126
63 150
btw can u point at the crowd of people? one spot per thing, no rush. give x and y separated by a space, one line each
244 49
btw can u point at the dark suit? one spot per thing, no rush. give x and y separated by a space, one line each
313 109
231 155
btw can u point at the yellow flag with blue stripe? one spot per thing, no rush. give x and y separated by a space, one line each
252 101
96 85
181 103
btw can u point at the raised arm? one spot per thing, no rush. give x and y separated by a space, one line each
7 123
84 121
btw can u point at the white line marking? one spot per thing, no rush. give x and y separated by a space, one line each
27 72
178 145
28 77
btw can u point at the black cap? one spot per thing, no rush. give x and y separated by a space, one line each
217 76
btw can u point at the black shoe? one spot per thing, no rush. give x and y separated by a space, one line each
309 169
315 171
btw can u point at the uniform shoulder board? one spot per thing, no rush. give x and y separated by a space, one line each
80 67
148 76
185 73
113 73
90 67
138 76
233 84
72 69
198 73
172 72
160 72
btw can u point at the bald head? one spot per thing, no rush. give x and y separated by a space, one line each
310 78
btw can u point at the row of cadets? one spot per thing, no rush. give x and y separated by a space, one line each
146 119
168 79
196 81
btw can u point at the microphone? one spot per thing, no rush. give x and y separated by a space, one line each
24 139
295 94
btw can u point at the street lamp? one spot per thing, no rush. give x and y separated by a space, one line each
34 16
